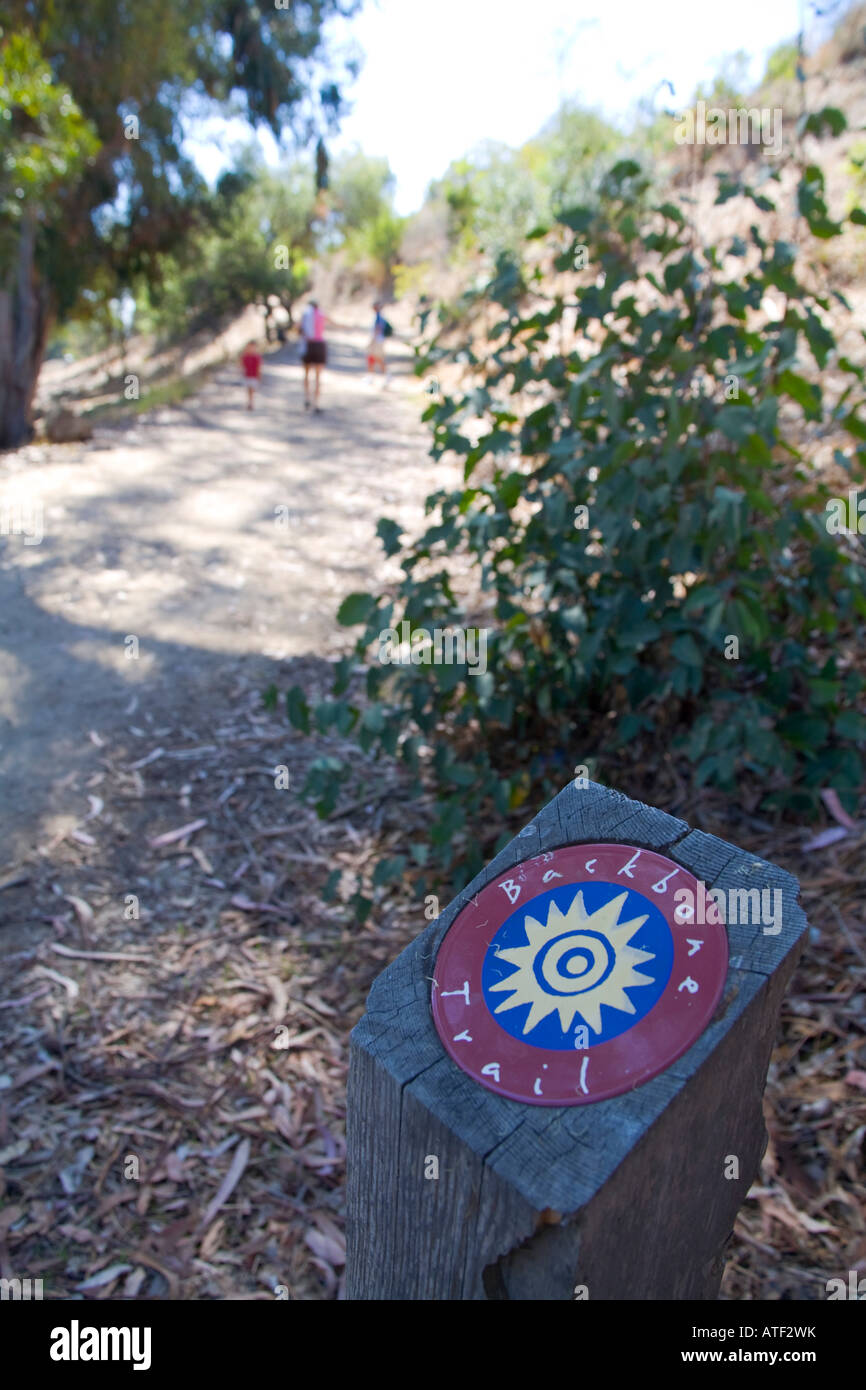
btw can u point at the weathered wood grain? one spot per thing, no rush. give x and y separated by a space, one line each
625 1198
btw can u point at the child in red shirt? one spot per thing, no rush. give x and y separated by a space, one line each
251 361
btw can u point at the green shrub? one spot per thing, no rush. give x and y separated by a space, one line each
648 514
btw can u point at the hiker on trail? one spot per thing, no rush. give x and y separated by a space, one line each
315 353
251 361
376 351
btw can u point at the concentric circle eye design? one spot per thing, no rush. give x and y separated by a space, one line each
577 975
573 963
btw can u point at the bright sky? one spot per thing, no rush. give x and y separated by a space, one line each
439 78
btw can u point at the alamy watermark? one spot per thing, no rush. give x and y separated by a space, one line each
77 1343
855 1290
846 518
737 906
737 126
448 646
20 1290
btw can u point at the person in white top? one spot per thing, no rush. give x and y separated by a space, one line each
315 355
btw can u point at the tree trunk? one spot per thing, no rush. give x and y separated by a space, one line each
24 322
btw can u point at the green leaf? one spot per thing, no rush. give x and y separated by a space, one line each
624 169
511 489
356 608
332 883
373 719
362 907
389 870
686 649
389 534
823 692
629 727
736 422
578 219
804 731
297 709
828 119
850 725
757 452
855 426
804 392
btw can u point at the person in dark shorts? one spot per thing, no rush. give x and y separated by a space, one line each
315 354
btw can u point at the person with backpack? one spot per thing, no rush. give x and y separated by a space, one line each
376 351
315 354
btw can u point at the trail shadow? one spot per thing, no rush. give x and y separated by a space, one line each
46 752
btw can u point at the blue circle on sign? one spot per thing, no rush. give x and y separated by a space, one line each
591 955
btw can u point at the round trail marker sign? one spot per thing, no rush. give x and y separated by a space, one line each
579 974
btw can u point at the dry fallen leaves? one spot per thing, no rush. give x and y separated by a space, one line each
205 1041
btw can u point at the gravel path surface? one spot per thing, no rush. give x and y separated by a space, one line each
138 571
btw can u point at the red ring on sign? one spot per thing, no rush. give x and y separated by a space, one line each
582 970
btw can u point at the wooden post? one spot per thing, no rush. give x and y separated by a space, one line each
455 1192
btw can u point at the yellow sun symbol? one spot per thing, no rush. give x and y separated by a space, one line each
574 964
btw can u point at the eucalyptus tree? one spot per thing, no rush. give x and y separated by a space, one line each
94 178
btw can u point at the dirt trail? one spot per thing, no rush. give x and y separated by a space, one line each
213 536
